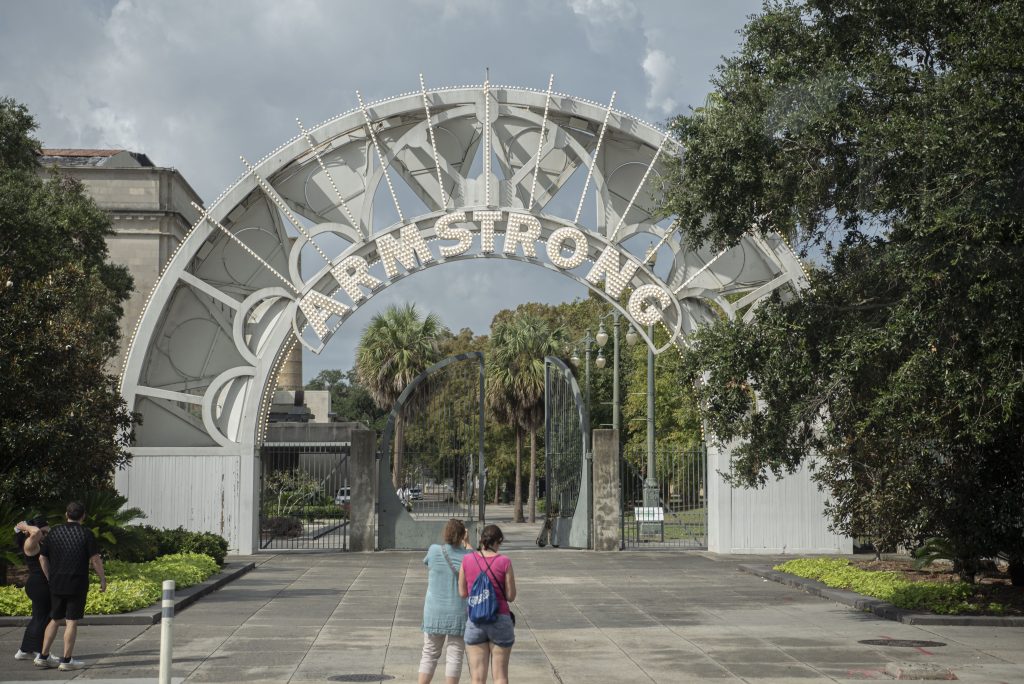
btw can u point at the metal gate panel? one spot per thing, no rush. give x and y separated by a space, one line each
680 521
304 496
567 490
441 474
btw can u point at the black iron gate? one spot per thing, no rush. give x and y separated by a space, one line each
674 513
437 471
567 458
304 495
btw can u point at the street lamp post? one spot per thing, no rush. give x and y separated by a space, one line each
650 482
588 345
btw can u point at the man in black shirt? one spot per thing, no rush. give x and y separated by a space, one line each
65 557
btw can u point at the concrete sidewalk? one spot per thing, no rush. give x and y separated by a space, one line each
582 617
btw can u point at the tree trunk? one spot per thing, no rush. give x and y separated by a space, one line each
396 464
533 475
497 485
517 504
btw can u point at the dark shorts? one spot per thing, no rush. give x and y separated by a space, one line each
68 607
501 632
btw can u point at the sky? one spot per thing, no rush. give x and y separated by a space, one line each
196 84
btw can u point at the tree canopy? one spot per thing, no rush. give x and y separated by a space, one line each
65 426
885 139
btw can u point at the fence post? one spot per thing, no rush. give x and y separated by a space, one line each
606 495
167 632
362 472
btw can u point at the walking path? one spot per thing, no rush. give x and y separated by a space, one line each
583 617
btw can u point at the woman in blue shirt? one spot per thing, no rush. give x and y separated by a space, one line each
444 611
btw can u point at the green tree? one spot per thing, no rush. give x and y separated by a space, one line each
888 139
65 426
395 347
516 386
349 399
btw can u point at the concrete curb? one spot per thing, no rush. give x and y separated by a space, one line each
151 614
880 608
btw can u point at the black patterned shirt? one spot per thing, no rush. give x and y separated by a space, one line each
68 549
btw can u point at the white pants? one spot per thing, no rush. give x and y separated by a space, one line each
432 645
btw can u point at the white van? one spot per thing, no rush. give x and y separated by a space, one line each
343 496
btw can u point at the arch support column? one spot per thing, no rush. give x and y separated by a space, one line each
607 498
363 479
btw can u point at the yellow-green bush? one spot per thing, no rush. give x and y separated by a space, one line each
947 598
185 569
14 601
130 586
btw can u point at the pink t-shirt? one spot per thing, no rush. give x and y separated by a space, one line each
497 567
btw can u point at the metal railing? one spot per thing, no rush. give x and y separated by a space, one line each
681 519
305 496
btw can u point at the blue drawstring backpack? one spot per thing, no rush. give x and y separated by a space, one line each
482 602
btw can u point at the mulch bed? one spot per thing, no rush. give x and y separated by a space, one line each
991 586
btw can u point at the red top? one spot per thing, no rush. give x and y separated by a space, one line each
496 567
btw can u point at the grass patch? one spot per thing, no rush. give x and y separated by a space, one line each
130 586
943 598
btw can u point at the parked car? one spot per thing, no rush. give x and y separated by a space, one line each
416 492
343 496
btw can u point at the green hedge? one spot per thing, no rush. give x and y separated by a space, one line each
143 543
130 586
946 598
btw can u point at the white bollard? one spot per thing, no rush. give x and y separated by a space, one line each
167 632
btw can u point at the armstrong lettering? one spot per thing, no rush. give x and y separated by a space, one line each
409 248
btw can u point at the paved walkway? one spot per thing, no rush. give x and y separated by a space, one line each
582 617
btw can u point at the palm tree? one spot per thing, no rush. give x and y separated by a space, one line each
395 347
516 387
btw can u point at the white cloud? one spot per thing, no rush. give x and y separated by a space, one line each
660 70
610 25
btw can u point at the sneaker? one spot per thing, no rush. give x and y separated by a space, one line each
25 655
51 661
71 665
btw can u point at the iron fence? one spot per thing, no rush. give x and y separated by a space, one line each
680 518
305 496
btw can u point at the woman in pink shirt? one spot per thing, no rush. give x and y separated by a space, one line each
491 642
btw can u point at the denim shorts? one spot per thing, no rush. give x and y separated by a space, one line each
501 632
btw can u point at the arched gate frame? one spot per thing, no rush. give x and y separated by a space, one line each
325 222
397 528
568 458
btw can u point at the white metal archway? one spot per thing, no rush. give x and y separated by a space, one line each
318 226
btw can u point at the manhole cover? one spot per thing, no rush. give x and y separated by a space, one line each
901 643
360 678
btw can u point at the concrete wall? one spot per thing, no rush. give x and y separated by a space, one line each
151 210
202 493
607 498
786 516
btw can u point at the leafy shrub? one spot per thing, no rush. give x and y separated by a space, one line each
136 544
122 596
328 511
130 586
14 601
948 598
289 489
180 540
184 569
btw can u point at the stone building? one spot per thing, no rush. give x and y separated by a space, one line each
151 208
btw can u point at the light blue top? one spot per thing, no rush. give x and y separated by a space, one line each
444 611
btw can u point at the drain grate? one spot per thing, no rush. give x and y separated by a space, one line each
360 678
901 643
